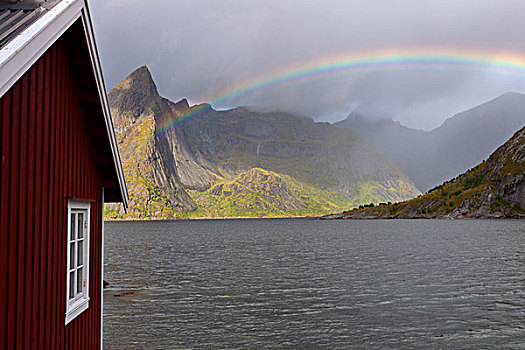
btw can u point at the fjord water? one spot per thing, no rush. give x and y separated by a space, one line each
298 283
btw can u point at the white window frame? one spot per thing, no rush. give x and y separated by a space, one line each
80 302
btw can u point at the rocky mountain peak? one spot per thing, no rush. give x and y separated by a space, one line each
182 104
183 107
134 97
357 117
139 81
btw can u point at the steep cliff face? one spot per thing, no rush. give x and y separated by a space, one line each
176 158
494 188
154 187
194 172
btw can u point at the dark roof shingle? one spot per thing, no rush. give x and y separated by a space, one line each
14 20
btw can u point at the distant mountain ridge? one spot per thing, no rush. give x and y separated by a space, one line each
492 189
210 165
462 141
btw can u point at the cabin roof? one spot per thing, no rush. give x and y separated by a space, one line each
27 29
13 21
17 15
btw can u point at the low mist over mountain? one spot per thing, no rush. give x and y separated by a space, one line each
193 161
494 189
462 141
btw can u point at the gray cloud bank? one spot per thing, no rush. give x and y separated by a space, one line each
196 48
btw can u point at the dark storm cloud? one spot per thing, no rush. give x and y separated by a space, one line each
197 48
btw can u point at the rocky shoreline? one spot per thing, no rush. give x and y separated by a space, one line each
362 216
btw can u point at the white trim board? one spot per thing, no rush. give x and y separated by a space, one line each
101 87
81 301
102 278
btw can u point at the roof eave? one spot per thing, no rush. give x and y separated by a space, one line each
23 51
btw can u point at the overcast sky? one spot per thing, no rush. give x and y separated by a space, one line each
199 49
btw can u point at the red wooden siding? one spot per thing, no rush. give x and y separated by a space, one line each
47 156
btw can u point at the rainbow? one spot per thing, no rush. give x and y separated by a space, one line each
507 64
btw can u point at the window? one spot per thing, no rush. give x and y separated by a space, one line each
77 269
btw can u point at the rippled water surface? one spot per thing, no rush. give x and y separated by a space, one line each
307 284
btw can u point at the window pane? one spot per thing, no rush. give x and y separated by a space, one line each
80 257
71 285
80 225
79 280
72 256
73 227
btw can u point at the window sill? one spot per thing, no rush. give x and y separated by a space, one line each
77 309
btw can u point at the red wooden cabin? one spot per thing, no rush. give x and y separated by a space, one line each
59 164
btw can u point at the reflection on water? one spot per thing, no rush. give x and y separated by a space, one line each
251 284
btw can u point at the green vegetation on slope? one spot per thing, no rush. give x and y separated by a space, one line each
262 193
